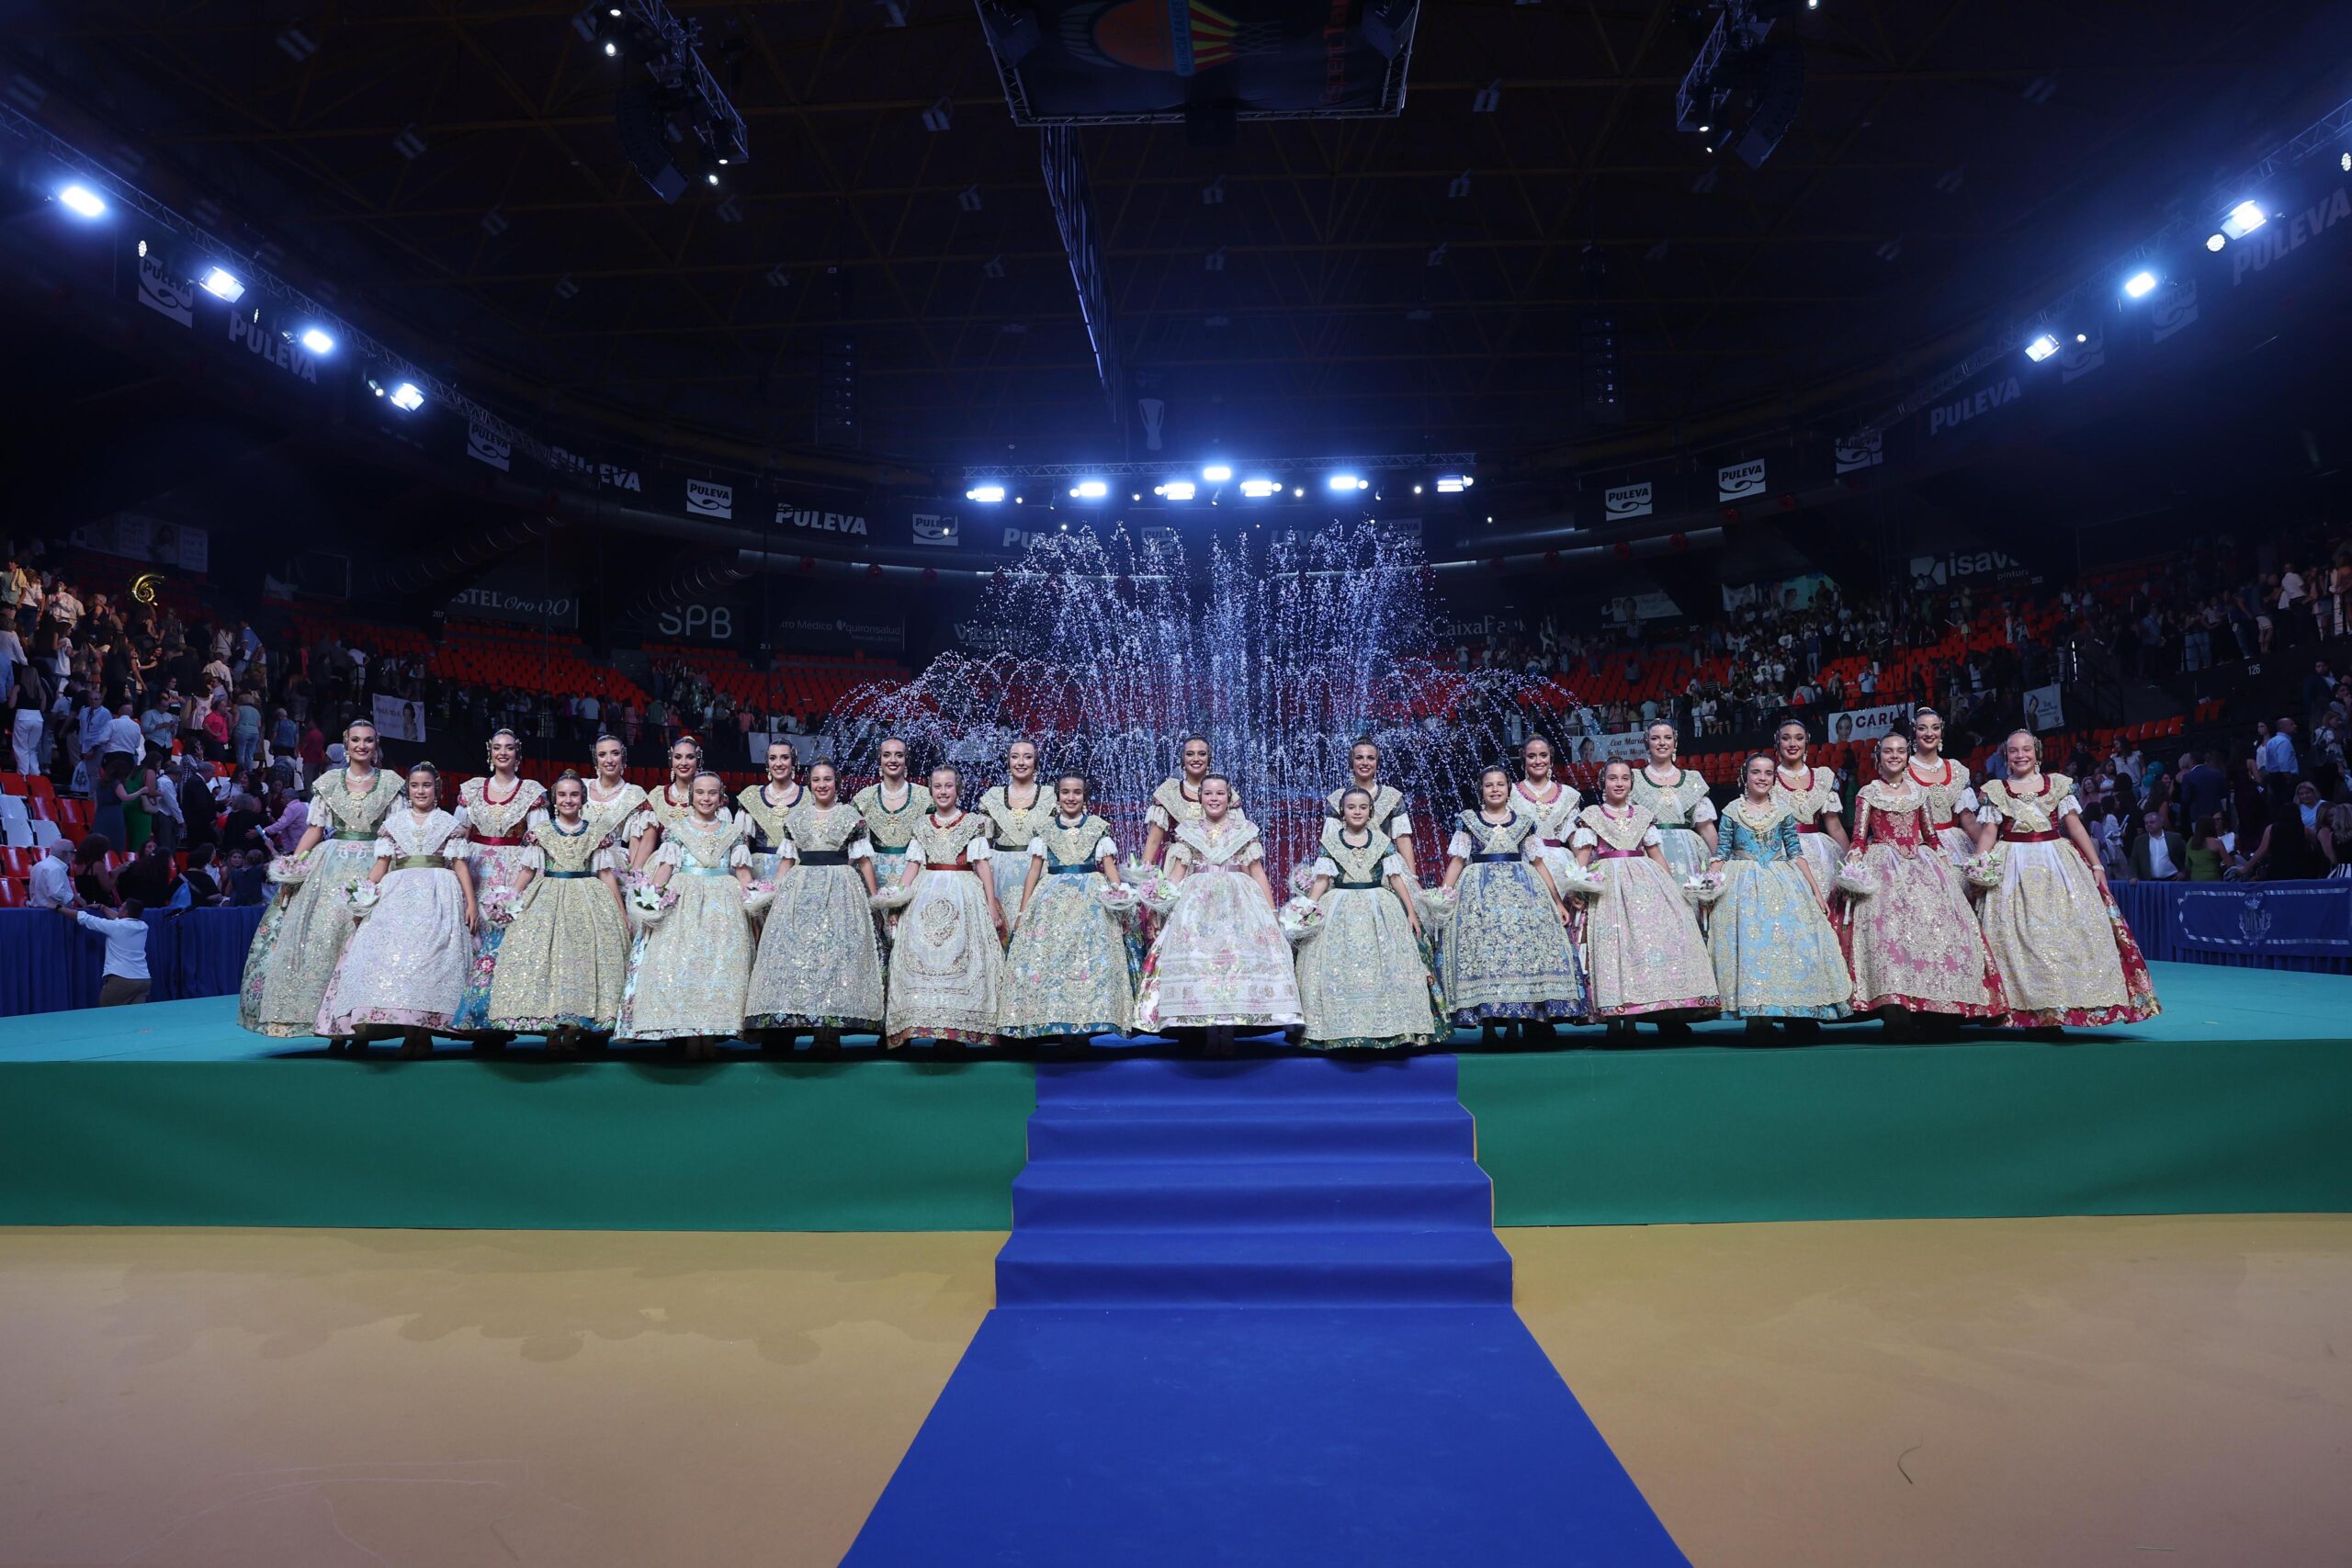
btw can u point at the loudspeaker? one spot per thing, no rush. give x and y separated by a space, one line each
638 120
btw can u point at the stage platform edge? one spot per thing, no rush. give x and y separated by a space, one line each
2237 1100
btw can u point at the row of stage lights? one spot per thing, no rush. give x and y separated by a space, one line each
2236 224
992 493
228 287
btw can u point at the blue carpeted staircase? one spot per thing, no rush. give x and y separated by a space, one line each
1256 1312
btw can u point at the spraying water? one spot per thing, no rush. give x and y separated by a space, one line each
1109 653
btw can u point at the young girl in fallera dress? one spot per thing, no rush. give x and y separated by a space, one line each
2066 957
1912 942
818 969
405 968
946 982
1505 957
1645 953
686 978
565 959
1071 971
1775 954
1176 800
1220 963
1363 984
497 809
1388 814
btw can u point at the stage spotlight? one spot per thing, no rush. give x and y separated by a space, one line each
221 284
1216 473
84 201
1298 489
611 49
1258 489
1417 490
2215 242
987 495
2243 220
2139 284
1343 481
1090 490
1454 484
406 398
316 341
2042 348
1177 489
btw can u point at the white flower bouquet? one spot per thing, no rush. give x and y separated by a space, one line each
361 899
1985 868
1438 905
893 895
1854 879
1119 897
500 905
1301 920
1302 878
287 871
647 903
1704 887
1578 882
757 897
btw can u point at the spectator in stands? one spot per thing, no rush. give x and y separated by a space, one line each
249 883
2276 756
2290 848
92 883
285 829
25 725
149 879
284 738
52 883
124 738
313 750
161 723
2210 856
126 981
203 887
246 729
2319 689
2160 854
64 609
216 729
2204 788
168 823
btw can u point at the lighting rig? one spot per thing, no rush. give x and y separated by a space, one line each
676 123
1448 473
1742 90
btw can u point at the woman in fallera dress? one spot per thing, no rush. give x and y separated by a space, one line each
673 801
763 806
1388 813
890 806
617 811
405 969
1912 942
818 969
1220 962
1951 804
303 931
565 959
1176 800
1506 956
687 977
1676 799
1642 946
946 980
1017 810
1362 983
2067 958
1810 796
1071 971
497 811
1775 953
1551 800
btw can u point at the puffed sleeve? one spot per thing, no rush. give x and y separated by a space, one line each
535 858
1401 826
1652 838
1251 853
1325 866
1037 847
534 816
385 848
858 848
2069 807
1181 852
787 849
741 855
1106 848
1531 849
1702 810
1394 866
1827 804
670 854
978 850
1458 847
1966 801
1583 838
638 821
1156 816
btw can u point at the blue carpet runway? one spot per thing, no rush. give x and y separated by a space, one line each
1256 1312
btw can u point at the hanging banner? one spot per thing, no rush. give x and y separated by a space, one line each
2043 709
399 720
2291 228
1867 450
1627 608
810 521
163 292
1996 394
2309 920
148 539
873 632
1869 724
2173 308
485 445
2081 354
938 529
705 498
1740 481
1629 747
1624 503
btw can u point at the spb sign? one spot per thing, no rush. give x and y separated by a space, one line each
699 623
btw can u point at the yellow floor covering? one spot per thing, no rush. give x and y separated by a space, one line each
2058 1392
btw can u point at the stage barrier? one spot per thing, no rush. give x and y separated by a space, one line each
47 964
2300 926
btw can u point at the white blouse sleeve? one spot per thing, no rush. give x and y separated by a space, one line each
1180 852
535 858
1458 846
1531 849
1652 838
787 849
740 855
1325 866
386 849
1583 838
978 850
2069 807
1702 810
1158 818
1967 801
1393 864
672 853
1250 854
1828 804
858 849
638 821
1401 826
1107 849
1037 847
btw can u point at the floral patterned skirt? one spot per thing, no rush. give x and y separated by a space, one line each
1914 943
1071 968
492 866
564 961
301 936
1775 954
946 963
818 966
1362 980
1505 954
1219 960
2064 953
1643 944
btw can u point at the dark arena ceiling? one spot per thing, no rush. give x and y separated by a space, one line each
1362 285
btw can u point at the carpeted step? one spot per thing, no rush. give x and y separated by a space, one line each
1164 1081
1252 1194
1259 1129
1290 1269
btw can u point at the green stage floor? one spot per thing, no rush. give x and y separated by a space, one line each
2238 1099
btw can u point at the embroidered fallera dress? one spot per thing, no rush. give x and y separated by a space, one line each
1388 814
303 931
1948 796
1361 979
1676 810
1220 958
565 959
688 975
1071 969
618 818
2065 953
763 809
1012 829
946 963
1775 953
497 846
818 966
407 964
887 826
1642 945
1505 953
1913 941
1808 801
1172 807
1556 818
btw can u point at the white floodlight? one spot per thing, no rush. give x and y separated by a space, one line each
1258 489
1090 490
223 284
406 398
1177 489
987 495
2042 348
316 341
2139 284
1216 473
82 199
2243 220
